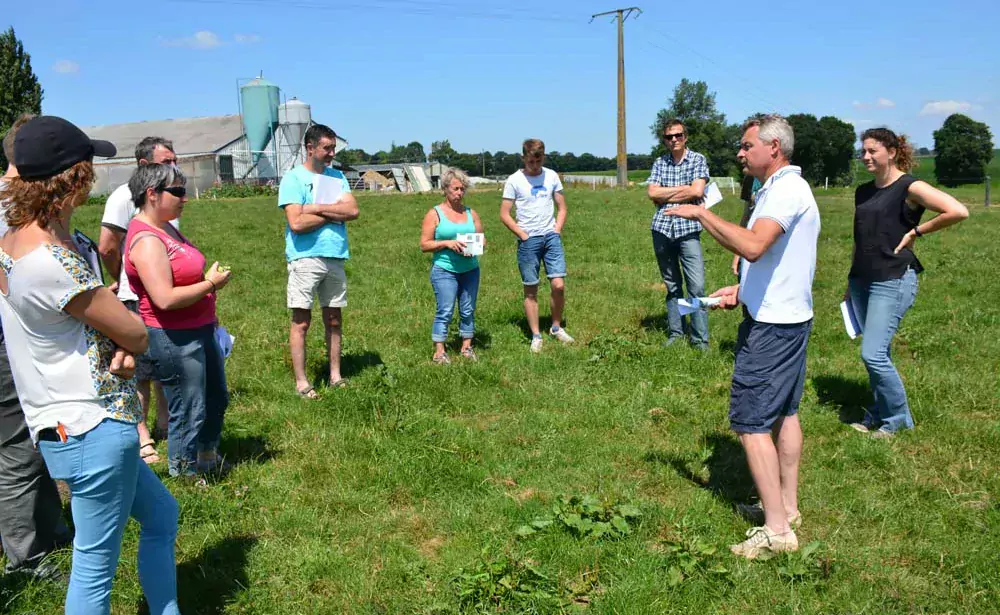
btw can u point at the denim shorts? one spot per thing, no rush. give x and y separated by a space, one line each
539 248
769 375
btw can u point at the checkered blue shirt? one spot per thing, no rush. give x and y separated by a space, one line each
668 173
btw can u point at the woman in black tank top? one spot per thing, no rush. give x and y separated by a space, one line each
882 283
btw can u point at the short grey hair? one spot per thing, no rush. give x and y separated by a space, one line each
144 149
453 173
155 176
774 127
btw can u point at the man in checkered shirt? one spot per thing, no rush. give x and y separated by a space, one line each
679 177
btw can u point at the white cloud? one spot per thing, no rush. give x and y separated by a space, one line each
947 107
202 39
248 39
67 67
882 103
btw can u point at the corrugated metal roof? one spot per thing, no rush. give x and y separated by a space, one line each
190 136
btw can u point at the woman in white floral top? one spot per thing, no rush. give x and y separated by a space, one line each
71 345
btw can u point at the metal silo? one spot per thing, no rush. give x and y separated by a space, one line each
259 99
295 117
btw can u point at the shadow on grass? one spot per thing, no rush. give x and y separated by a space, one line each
848 397
210 581
654 323
544 323
350 366
727 475
246 449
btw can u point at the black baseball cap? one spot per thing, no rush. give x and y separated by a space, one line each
48 145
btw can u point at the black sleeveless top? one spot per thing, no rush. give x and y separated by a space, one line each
881 218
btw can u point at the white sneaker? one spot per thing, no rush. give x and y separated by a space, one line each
561 335
762 543
536 344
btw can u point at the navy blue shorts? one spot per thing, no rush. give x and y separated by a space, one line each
769 375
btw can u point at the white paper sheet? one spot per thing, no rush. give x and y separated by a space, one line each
689 306
326 190
713 196
473 243
851 323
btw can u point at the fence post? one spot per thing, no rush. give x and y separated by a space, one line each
987 190
826 184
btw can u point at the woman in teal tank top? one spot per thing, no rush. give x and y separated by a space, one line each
454 276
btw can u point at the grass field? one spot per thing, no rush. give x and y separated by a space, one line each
408 491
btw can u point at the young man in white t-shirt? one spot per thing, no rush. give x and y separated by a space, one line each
537 194
778 261
118 213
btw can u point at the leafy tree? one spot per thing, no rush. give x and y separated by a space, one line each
19 88
964 148
442 151
823 148
706 127
352 157
923 151
808 152
837 149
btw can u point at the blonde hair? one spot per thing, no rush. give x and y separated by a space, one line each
451 174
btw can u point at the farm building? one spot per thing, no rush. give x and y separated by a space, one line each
404 177
259 145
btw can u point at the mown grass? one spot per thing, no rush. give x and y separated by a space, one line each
403 492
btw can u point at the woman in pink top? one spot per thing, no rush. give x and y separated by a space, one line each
177 304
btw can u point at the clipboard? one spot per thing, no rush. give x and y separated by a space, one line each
88 248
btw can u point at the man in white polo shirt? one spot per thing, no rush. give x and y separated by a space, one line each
777 261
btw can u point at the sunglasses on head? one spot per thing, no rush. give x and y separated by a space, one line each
671 137
177 191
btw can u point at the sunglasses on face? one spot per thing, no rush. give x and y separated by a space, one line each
177 191
671 137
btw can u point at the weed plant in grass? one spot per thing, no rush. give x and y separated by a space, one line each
382 497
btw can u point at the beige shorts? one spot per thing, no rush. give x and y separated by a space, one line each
311 276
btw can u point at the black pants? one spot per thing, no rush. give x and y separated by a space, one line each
31 523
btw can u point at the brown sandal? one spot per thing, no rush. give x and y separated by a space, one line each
147 451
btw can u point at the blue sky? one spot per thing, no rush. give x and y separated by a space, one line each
486 75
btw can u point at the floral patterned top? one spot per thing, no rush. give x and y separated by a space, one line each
60 364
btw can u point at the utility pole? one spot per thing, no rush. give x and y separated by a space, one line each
621 15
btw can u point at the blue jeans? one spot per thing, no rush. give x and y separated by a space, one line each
109 483
880 307
531 253
189 365
448 287
673 256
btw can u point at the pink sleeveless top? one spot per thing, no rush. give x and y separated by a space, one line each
187 265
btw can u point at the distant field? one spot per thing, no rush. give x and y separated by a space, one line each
924 170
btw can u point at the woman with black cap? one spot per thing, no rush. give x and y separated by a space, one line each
71 343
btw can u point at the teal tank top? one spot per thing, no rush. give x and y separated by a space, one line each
446 230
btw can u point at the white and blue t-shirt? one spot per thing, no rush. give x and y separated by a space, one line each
327 241
533 197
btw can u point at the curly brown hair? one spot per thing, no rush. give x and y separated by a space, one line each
42 200
890 140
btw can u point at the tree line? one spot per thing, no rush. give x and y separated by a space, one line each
487 163
824 147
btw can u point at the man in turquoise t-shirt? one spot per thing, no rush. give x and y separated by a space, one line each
316 248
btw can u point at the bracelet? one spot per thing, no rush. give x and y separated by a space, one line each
916 231
214 289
